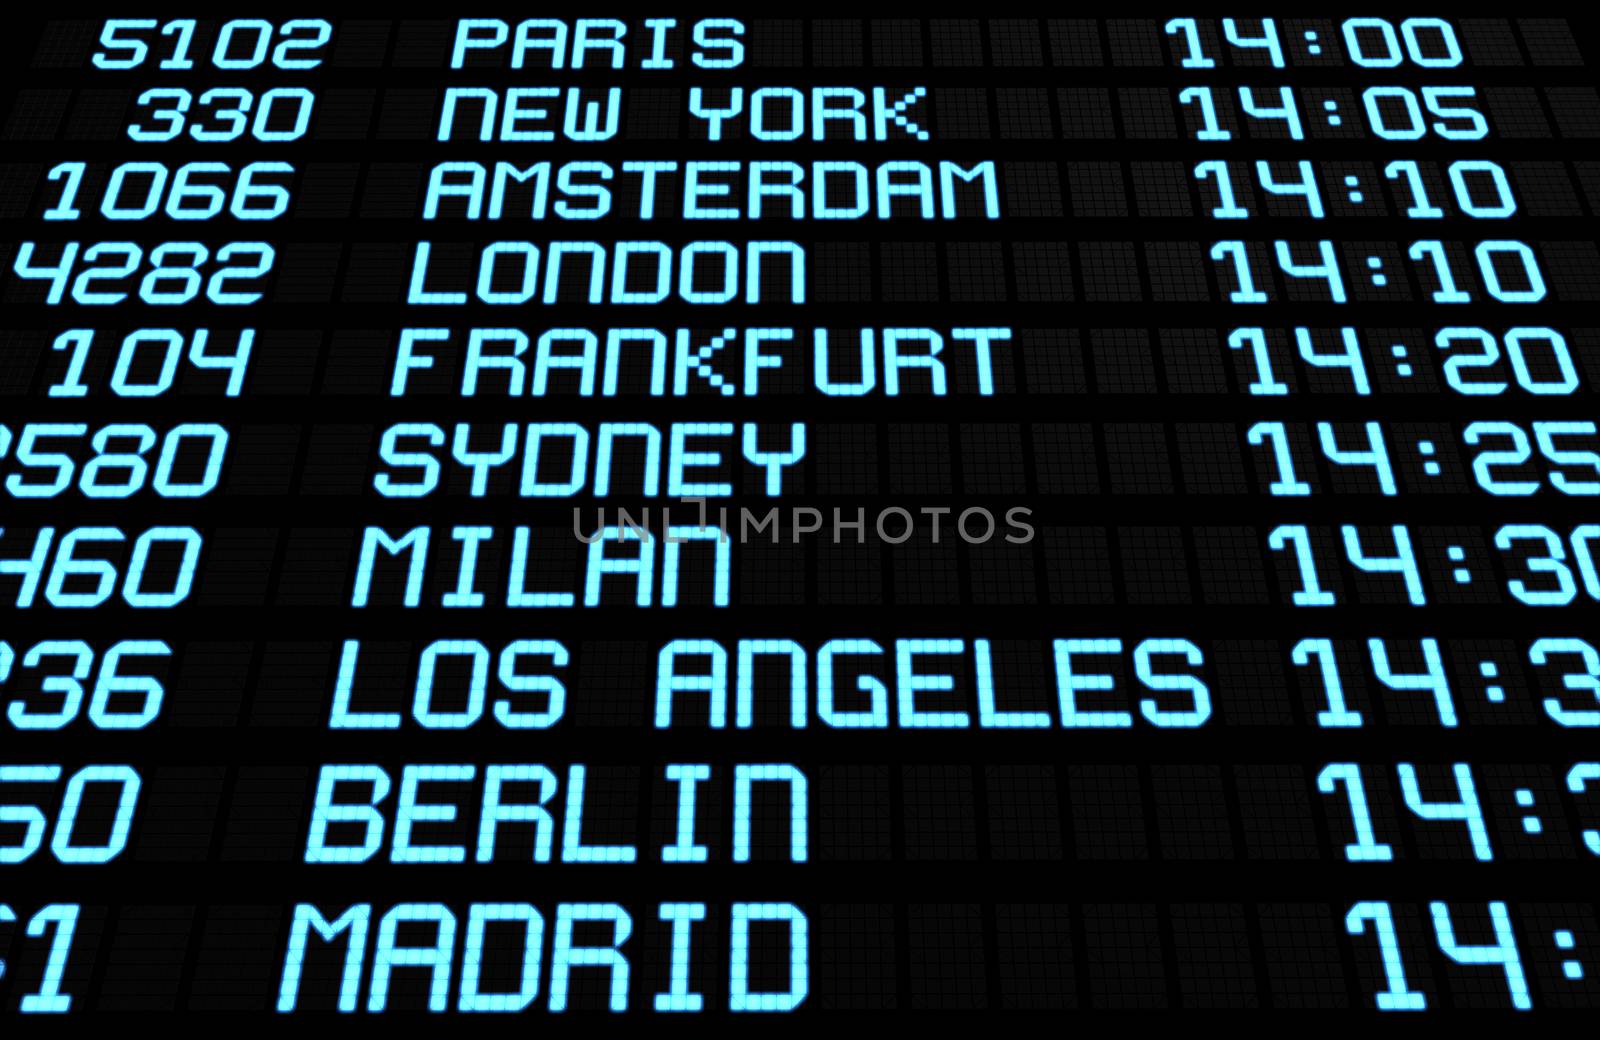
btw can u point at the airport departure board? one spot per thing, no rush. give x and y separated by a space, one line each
602 517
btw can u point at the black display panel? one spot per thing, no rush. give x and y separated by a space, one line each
573 514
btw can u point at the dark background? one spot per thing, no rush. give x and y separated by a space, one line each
957 870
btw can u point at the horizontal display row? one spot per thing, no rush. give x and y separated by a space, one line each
936 952
940 43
